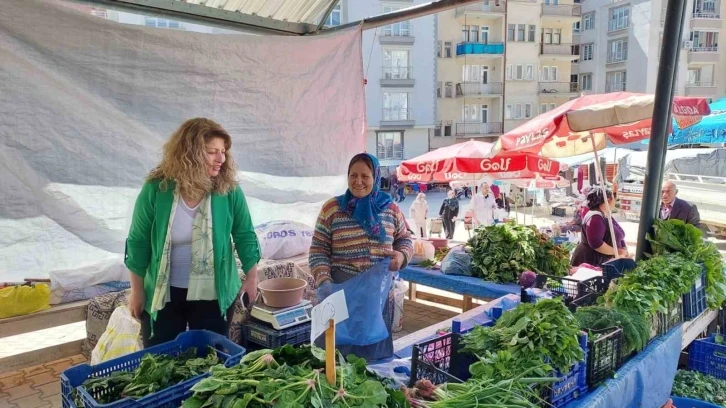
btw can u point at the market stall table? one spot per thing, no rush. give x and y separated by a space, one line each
469 287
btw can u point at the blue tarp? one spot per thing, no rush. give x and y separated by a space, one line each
462 285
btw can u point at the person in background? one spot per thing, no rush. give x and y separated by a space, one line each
448 213
482 206
596 245
179 247
419 211
400 192
672 207
355 231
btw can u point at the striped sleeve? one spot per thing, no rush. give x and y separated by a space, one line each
402 237
321 247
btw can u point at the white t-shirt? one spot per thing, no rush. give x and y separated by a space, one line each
181 245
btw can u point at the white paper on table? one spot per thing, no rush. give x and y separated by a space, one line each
333 307
585 273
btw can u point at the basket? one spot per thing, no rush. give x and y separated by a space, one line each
574 293
172 397
681 402
268 337
559 211
570 386
661 323
605 354
616 268
708 357
440 360
694 302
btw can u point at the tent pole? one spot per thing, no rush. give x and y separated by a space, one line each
603 186
675 16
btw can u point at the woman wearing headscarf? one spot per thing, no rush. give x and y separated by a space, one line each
448 213
482 206
179 247
596 245
355 231
419 211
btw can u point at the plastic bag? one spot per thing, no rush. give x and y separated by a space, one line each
573 237
422 250
457 262
120 338
400 287
24 299
365 296
284 239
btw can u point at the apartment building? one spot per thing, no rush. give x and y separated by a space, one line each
620 45
501 63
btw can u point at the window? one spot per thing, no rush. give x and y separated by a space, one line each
438 49
334 17
509 72
400 29
520 32
542 108
160 22
518 111
508 112
470 113
469 33
437 130
529 73
547 36
575 50
532 31
520 72
395 63
390 145
576 27
588 21
617 51
510 32
449 89
552 106
615 81
693 76
586 82
548 74
484 37
395 106
586 53
619 18
557 36
527 110
447 49
484 113
704 40
447 128
438 89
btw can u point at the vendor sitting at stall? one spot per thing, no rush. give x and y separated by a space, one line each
179 251
356 230
596 246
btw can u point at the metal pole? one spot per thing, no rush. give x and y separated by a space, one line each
675 16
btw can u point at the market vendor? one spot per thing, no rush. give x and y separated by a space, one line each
596 246
356 230
179 251
483 205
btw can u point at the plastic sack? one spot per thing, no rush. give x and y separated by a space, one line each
573 237
422 250
365 296
283 239
120 338
400 287
60 296
24 299
457 262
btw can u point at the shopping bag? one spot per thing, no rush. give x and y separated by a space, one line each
24 299
422 250
457 262
120 338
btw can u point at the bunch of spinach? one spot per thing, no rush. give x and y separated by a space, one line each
266 379
501 252
154 373
692 384
675 236
542 332
636 331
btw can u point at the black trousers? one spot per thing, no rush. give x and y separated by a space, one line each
179 313
449 227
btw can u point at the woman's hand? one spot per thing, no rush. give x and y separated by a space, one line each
250 284
137 300
623 252
397 260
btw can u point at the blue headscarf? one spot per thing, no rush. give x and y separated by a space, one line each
367 210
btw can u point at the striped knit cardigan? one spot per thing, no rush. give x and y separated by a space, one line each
341 244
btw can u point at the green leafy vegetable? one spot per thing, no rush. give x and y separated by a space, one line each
636 332
692 384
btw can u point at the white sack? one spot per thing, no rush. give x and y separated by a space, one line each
284 239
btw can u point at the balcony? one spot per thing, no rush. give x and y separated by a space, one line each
390 152
477 48
397 117
706 89
558 88
558 51
468 89
481 10
397 76
703 55
478 129
396 36
572 11
706 21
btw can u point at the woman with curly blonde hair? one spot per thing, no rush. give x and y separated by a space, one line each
179 251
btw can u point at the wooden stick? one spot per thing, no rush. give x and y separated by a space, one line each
330 352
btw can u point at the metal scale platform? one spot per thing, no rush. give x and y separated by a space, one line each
283 318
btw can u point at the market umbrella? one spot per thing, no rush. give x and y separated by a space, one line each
472 160
711 129
587 123
543 183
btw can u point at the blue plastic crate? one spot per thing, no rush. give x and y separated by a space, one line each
571 385
266 336
682 402
560 240
616 268
708 357
694 302
172 397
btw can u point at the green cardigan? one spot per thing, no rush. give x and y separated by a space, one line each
230 217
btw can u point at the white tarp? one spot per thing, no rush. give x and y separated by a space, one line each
86 104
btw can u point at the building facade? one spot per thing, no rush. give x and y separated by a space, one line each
501 63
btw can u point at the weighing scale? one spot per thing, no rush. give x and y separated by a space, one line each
283 317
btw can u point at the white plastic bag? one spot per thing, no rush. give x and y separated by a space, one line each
284 239
400 287
422 250
573 237
120 338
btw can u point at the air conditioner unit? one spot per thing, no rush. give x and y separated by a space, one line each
688 44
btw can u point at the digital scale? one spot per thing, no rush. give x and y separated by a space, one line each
283 317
